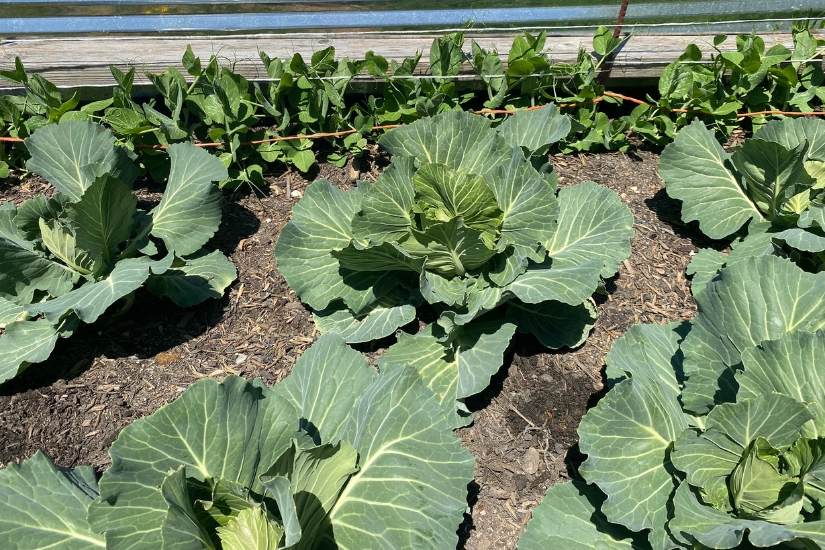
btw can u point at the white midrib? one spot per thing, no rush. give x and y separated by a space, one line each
353 481
74 535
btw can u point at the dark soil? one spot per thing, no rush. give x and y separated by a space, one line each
524 434
119 369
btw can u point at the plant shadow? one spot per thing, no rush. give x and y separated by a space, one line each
151 326
669 211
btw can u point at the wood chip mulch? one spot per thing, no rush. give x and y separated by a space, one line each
524 434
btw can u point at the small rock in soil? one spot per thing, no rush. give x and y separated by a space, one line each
530 461
499 493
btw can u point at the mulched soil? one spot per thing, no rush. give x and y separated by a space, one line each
524 435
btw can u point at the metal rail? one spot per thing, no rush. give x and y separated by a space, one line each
79 17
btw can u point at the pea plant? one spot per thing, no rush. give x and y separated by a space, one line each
749 79
209 102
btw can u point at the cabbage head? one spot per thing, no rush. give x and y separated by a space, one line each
337 455
70 257
767 196
468 219
712 434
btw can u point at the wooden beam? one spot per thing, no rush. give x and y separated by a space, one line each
82 63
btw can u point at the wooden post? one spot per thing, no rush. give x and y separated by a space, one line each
617 30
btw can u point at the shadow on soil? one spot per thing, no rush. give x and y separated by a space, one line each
669 211
153 325
467 525
530 398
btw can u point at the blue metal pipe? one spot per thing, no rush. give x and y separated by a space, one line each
332 19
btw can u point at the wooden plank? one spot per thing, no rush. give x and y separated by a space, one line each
82 63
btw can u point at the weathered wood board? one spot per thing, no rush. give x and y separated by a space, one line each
82 63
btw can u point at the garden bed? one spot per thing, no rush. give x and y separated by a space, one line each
524 434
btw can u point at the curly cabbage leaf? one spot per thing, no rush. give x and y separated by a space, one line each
569 517
336 455
627 437
463 220
455 363
747 474
767 193
71 155
71 257
44 506
751 301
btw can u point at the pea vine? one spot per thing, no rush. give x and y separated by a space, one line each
212 104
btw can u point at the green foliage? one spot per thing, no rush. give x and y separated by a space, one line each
463 220
711 435
767 195
569 516
210 103
69 258
532 79
750 79
335 455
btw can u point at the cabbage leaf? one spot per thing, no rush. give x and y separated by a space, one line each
69 258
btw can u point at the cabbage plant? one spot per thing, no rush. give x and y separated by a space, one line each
767 195
467 218
67 258
337 455
712 434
